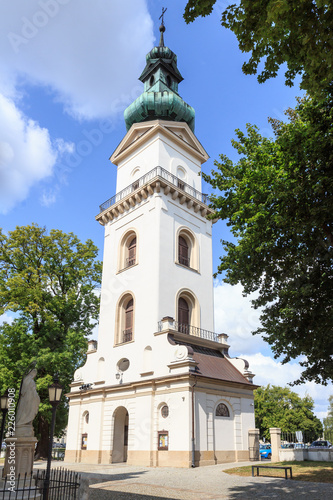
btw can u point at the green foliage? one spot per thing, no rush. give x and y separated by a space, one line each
280 407
328 421
278 201
49 282
197 8
295 32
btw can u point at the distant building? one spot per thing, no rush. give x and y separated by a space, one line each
160 388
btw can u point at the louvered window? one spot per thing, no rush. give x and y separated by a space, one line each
183 315
127 334
131 259
183 251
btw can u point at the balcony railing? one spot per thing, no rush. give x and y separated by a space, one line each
127 335
155 172
130 261
191 330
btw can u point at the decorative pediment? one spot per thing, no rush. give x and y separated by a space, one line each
141 133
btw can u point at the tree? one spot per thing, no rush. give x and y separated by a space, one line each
278 201
328 421
49 282
276 406
295 32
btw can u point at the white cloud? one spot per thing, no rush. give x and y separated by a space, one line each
49 197
89 53
6 318
27 154
234 316
271 371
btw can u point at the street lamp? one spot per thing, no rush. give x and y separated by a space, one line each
55 391
4 409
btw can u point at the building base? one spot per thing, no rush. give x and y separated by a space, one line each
159 458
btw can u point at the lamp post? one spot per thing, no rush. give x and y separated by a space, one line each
55 391
4 409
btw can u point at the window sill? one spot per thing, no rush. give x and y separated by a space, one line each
126 268
187 267
145 374
123 343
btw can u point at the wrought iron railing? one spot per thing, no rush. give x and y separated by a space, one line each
191 330
155 172
62 484
130 261
127 335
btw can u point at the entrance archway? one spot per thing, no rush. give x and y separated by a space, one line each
120 435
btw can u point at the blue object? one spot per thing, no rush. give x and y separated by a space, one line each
265 450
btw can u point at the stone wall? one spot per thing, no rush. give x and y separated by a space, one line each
315 454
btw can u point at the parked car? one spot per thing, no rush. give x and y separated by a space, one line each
321 443
265 450
288 445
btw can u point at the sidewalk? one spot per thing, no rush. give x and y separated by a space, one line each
125 482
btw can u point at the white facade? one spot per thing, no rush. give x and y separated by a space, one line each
146 358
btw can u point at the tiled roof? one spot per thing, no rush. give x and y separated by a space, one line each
219 368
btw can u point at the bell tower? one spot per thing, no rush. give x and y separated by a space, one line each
156 332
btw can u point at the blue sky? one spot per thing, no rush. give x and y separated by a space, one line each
68 70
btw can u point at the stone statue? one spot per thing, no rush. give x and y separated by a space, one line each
27 406
23 442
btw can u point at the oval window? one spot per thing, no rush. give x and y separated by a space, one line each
165 411
123 364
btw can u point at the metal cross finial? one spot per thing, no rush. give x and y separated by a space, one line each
162 15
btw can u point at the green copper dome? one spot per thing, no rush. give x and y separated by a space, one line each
160 98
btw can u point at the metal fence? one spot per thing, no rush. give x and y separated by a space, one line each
300 439
63 485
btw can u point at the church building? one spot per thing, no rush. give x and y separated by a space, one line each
159 388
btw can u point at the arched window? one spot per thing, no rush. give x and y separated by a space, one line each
183 315
131 258
181 176
128 253
187 250
222 410
128 331
124 331
187 312
183 252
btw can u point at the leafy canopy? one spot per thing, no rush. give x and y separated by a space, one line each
295 32
277 200
276 406
50 283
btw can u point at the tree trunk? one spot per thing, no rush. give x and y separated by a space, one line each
44 435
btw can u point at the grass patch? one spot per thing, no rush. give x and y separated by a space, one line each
316 472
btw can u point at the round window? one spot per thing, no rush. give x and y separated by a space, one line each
165 411
123 364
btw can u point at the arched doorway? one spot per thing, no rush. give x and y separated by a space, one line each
120 435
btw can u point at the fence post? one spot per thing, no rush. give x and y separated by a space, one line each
275 433
254 444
